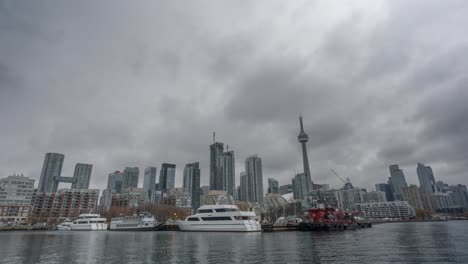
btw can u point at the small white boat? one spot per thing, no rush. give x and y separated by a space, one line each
89 222
141 222
221 218
64 226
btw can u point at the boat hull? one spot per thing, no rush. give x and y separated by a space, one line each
89 227
220 226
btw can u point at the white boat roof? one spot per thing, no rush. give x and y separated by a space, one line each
218 206
89 215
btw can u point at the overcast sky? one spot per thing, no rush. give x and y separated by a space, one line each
135 83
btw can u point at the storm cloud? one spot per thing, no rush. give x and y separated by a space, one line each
116 84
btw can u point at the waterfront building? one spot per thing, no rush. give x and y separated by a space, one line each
385 187
16 192
376 196
287 188
191 182
167 177
82 176
130 177
131 197
273 186
443 202
216 171
303 138
396 181
300 186
395 209
52 208
426 178
149 180
347 199
417 197
460 195
253 168
218 197
115 181
177 197
51 169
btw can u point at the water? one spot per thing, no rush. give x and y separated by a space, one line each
435 242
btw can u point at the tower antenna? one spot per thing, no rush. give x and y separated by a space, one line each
214 137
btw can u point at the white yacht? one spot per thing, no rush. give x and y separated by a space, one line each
221 218
89 222
141 222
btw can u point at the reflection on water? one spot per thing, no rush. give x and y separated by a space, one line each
438 242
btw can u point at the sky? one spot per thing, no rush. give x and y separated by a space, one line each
140 83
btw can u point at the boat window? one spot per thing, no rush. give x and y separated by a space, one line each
245 218
221 210
193 219
201 211
217 218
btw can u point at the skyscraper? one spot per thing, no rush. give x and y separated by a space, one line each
115 181
253 168
385 187
244 187
82 176
303 138
300 186
149 180
192 182
216 172
426 178
273 185
228 170
396 181
51 168
167 177
130 177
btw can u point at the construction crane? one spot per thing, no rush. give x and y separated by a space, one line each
347 182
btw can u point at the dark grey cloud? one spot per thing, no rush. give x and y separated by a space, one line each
119 84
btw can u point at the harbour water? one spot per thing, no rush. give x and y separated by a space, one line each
430 242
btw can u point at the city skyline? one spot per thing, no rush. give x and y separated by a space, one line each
389 88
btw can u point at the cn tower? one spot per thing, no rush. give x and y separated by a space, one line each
303 138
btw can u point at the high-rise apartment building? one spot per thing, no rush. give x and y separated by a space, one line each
385 187
216 164
167 177
287 188
16 192
228 171
130 177
82 176
426 178
191 183
396 181
115 181
51 169
149 180
417 197
243 187
300 186
273 186
253 168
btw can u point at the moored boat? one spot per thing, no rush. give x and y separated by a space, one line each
221 218
141 222
89 222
